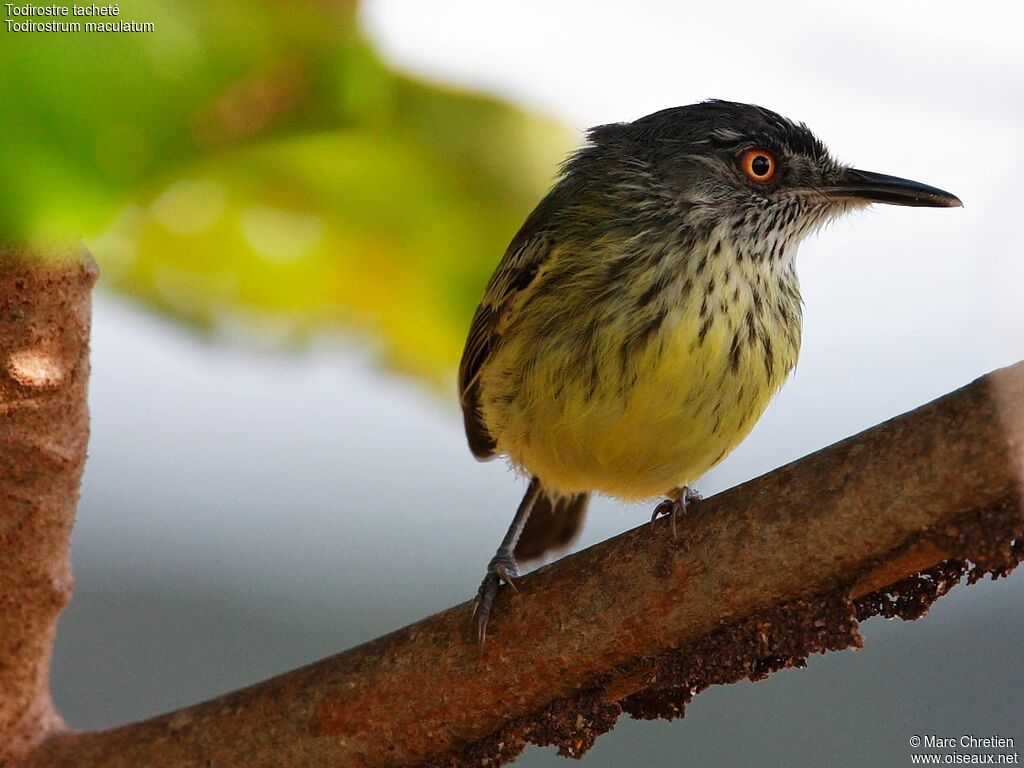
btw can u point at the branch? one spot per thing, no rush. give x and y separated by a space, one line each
44 368
767 572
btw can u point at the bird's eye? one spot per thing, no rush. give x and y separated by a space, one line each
758 164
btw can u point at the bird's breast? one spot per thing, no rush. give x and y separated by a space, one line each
635 396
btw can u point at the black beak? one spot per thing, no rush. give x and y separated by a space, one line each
879 188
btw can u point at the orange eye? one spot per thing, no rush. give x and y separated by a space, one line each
758 164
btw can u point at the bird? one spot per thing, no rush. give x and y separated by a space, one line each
646 312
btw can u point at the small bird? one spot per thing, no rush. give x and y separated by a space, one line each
647 311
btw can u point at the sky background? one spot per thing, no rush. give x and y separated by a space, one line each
245 511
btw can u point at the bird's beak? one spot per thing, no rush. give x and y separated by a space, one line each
879 188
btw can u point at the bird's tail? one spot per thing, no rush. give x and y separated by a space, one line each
553 524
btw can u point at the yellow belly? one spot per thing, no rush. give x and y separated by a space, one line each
635 429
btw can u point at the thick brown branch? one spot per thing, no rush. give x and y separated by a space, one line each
766 573
44 367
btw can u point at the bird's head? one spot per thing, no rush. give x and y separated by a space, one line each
766 179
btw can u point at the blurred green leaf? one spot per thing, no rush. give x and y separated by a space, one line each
255 164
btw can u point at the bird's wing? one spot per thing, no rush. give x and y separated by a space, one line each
508 286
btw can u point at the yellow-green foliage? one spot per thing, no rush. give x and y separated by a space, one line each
256 164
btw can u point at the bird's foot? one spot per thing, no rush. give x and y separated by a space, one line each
502 568
675 507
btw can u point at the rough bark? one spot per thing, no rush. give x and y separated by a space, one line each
767 572
44 429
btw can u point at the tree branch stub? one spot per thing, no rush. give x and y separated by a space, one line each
45 301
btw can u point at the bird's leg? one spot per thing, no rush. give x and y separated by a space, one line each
503 566
675 506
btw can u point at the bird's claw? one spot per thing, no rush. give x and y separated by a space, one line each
675 507
506 569
502 568
482 605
